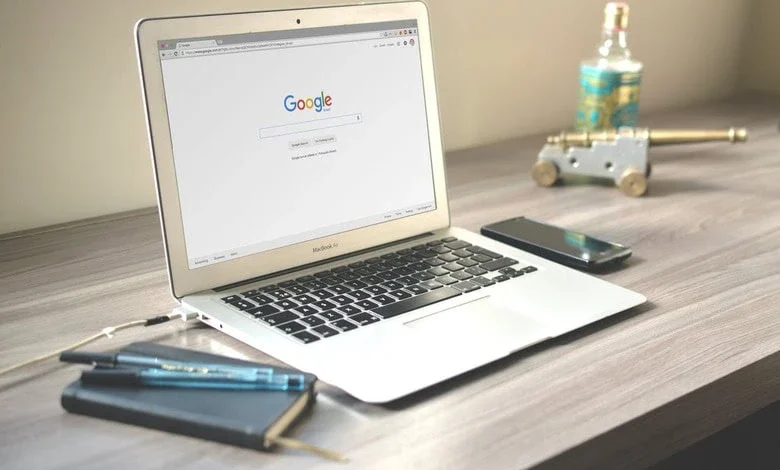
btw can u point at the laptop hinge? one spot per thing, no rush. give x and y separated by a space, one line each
318 263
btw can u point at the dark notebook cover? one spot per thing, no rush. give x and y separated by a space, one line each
234 417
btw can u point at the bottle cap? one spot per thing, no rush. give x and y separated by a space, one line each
616 15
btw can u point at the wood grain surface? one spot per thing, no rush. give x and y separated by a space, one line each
624 393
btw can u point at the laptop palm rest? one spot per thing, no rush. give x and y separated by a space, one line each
481 320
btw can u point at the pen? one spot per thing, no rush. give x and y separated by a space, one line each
157 363
177 379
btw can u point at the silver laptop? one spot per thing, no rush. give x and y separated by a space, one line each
301 185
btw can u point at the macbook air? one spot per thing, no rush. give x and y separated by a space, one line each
303 199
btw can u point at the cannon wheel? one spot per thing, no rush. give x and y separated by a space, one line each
633 183
545 173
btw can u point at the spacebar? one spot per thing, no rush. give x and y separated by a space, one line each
407 305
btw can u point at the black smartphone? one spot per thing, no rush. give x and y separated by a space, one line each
557 244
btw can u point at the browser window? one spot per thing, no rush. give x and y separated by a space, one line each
283 137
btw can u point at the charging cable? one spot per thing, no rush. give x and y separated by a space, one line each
108 332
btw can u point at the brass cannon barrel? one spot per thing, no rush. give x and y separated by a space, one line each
655 137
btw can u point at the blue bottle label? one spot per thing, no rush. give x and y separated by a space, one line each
608 98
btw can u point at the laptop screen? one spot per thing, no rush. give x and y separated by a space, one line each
283 137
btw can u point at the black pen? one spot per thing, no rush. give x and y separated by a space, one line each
121 359
178 379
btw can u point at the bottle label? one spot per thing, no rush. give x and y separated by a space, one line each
608 98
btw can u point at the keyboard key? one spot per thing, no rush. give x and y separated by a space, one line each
349 276
371 280
448 257
517 273
248 293
384 299
453 266
306 337
279 294
529 269
508 271
231 298
417 290
364 319
481 258
497 264
439 271
385 266
387 275
408 281
313 320
348 310
243 304
356 265
423 276
305 310
322 294
286 304
430 285
261 299
324 305
297 290
404 251
400 294
435 243
376 290
407 305
466 286
344 325
419 266
413 258
315 285
484 282
457 245
404 271
419 247
367 304
292 327
342 300
461 275
398 263
280 318
364 271
462 253
359 295
287 283
449 239
501 278
434 262
427 254
340 269
305 299
322 274
389 256
373 260
392 285
446 280
269 288
330 315
492 254
356 284
325 331
331 281
440 249
306 279
339 289
263 311
476 271
467 262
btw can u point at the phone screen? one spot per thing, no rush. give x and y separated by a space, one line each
555 238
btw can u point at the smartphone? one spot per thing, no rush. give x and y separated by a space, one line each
557 244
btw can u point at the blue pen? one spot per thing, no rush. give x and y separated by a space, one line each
178 379
157 363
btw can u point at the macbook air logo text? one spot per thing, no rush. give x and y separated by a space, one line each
317 249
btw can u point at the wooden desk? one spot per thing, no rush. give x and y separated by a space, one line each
624 393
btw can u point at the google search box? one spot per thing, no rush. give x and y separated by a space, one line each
313 125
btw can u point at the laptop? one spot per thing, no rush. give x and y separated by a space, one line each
301 185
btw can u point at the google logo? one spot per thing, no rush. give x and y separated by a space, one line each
317 103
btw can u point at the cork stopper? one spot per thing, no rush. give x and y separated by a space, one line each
616 16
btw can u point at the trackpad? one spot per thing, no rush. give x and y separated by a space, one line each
481 320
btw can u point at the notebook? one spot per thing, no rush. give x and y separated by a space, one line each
251 419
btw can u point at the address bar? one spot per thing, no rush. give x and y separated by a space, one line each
278 44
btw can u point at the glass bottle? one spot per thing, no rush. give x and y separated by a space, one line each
609 83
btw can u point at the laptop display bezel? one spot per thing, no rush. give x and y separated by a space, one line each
184 280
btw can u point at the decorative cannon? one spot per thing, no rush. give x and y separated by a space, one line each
619 155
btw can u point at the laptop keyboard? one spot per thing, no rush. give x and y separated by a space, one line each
338 300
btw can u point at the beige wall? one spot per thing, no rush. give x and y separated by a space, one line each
72 141
761 64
